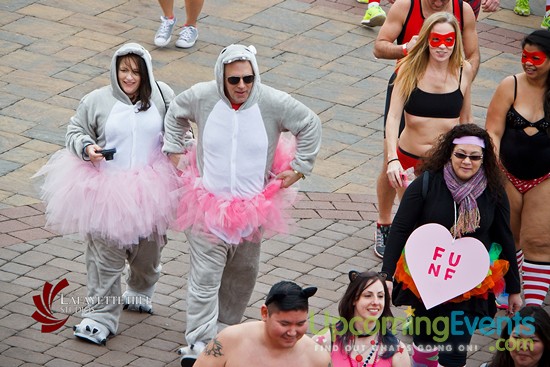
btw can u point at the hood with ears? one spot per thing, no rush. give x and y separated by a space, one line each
231 54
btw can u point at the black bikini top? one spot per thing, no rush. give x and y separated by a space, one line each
438 105
517 121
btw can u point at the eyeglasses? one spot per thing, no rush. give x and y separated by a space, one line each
234 80
473 158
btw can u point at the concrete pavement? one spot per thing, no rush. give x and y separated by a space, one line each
53 52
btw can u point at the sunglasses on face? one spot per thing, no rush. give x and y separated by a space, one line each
473 158
234 80
536 58
438 39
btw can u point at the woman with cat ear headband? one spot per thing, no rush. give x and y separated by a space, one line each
363 336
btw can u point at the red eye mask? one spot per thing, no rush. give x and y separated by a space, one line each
536 58
438 39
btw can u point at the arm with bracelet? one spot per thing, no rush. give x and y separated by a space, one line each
394 169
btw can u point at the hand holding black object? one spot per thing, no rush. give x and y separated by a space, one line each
107 153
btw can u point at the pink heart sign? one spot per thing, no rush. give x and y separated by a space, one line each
442 268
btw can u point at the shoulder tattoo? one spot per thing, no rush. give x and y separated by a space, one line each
214 348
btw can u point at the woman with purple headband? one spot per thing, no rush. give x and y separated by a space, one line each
518 120
461 189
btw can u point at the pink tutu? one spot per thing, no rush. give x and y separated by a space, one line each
120 207
237 219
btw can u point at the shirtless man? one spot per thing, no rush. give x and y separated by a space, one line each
278 340
396 37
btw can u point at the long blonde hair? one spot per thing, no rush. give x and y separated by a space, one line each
413 66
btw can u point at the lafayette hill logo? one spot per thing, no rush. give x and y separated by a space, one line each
43 313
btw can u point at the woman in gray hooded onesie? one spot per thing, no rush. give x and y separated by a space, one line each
111 185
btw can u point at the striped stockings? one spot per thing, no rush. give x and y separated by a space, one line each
536 281
519 258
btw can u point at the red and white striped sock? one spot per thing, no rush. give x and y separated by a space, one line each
519 258
536 281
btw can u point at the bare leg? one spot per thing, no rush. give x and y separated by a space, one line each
167 7
535 215
516 206
385 193
192 11
535 242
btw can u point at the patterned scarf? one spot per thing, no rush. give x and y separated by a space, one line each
465 194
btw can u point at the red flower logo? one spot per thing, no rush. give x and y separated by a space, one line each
44 307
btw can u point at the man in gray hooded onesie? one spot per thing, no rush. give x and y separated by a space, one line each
239 123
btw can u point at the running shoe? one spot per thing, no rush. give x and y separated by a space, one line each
188 37
546 21
522 8
380 239
164 33
375 16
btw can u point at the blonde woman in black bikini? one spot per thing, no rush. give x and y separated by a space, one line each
433 88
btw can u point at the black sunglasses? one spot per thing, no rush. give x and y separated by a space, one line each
473 158
234 80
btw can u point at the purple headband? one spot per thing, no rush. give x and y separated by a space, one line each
474 140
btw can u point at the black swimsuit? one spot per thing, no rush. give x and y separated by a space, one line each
525 156
437 105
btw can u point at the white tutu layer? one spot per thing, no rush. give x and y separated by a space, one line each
120 207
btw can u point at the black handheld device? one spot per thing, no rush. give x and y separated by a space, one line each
108 153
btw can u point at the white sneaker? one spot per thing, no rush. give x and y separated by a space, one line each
188 37
190 353
164 33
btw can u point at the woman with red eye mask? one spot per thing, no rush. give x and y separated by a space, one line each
432 87
518 120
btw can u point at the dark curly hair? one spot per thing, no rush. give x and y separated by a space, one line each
441 152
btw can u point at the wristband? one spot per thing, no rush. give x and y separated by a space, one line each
392 160
302 176
405 51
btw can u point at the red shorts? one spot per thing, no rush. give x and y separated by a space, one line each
524 185
407 159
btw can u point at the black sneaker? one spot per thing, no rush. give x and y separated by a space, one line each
380 239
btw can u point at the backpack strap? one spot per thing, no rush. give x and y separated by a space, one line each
160 90
166 104
425 184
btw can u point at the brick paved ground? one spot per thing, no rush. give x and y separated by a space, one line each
53 52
